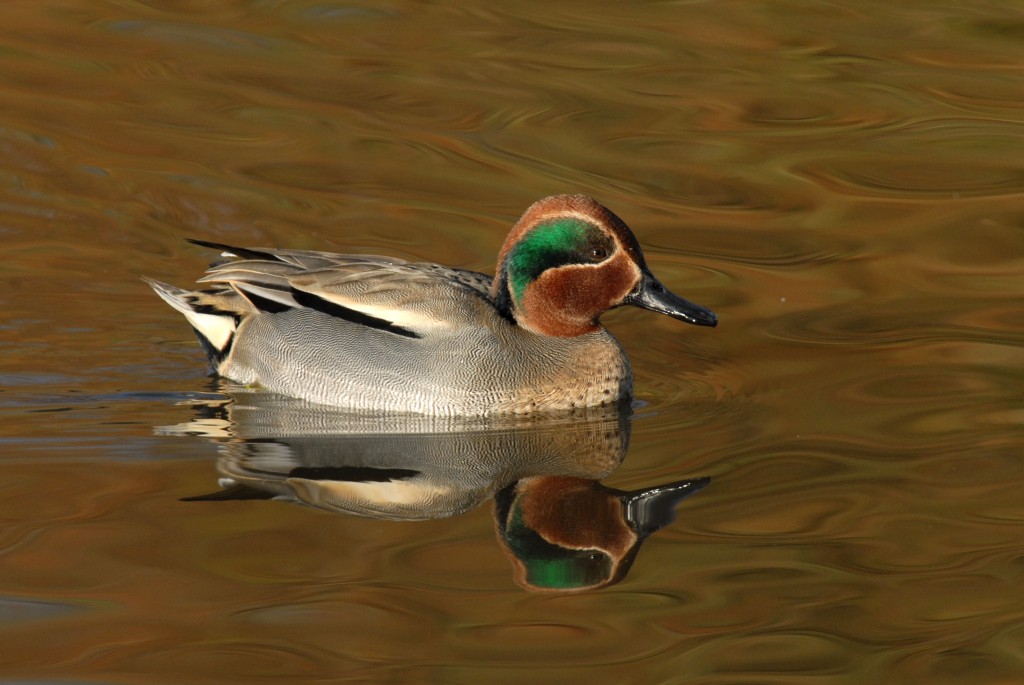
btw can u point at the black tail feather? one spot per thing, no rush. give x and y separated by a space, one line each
243 252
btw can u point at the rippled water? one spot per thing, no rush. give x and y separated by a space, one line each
842 183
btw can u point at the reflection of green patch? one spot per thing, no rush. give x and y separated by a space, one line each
553 243
553 567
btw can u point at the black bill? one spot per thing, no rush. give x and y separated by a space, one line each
651 294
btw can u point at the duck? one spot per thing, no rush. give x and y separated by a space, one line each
381 334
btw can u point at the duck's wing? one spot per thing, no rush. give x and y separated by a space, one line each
413 299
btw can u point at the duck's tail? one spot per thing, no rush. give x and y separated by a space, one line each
215 315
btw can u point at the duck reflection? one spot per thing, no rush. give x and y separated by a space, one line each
561 527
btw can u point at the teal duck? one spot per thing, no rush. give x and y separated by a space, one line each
383 334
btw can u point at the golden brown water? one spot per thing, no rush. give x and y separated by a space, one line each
841 182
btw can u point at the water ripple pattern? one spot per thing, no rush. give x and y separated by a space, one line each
841 182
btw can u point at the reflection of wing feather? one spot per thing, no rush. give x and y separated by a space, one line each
420 297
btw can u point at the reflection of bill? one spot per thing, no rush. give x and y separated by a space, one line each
563 529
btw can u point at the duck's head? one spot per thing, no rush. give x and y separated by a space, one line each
568 260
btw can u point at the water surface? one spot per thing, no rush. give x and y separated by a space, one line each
841 183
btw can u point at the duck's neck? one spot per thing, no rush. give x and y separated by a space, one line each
538 312
503 297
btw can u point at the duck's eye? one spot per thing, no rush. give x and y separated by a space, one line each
598 253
